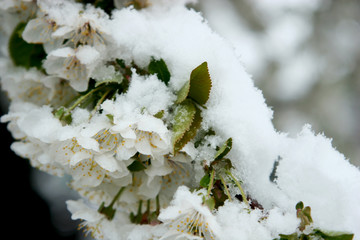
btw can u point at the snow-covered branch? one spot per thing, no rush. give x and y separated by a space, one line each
160 128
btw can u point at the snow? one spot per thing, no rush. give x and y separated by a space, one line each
247 225
150 94
310 169
87 55
237 109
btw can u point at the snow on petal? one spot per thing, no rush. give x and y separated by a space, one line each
87 55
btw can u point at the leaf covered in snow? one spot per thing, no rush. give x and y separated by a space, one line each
184 117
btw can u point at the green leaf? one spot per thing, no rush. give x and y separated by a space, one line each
210 202
184 116
225 149
183 93
191 133
67 118
22 53
334 235
205 180
59 112
160 114
304 214
136 166
63 115
200 84
299 206
288 237
110 117
159 68
307 213
222 163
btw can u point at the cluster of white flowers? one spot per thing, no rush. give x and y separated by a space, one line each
113 98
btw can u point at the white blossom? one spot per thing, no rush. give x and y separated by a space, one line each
25 7
188 218
100 109
74 65
89 27
141 133
40 30
34 86
148 136
90 153
93 221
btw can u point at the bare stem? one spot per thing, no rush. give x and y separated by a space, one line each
100 102
157 205
81 99
117 196
211 182
239 186
109 211
225 187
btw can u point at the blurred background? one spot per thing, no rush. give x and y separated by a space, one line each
303 54
305 57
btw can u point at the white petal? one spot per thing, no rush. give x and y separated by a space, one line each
128 133
78 157
62 52
53 44
37 30
181 158
87 173
90 216
159 142
143 146
81 211
61 32
25 149
51 82
107 162
53 65
124 153
152 124
129 143
162 170
88 143
79 80
151 187
44 158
